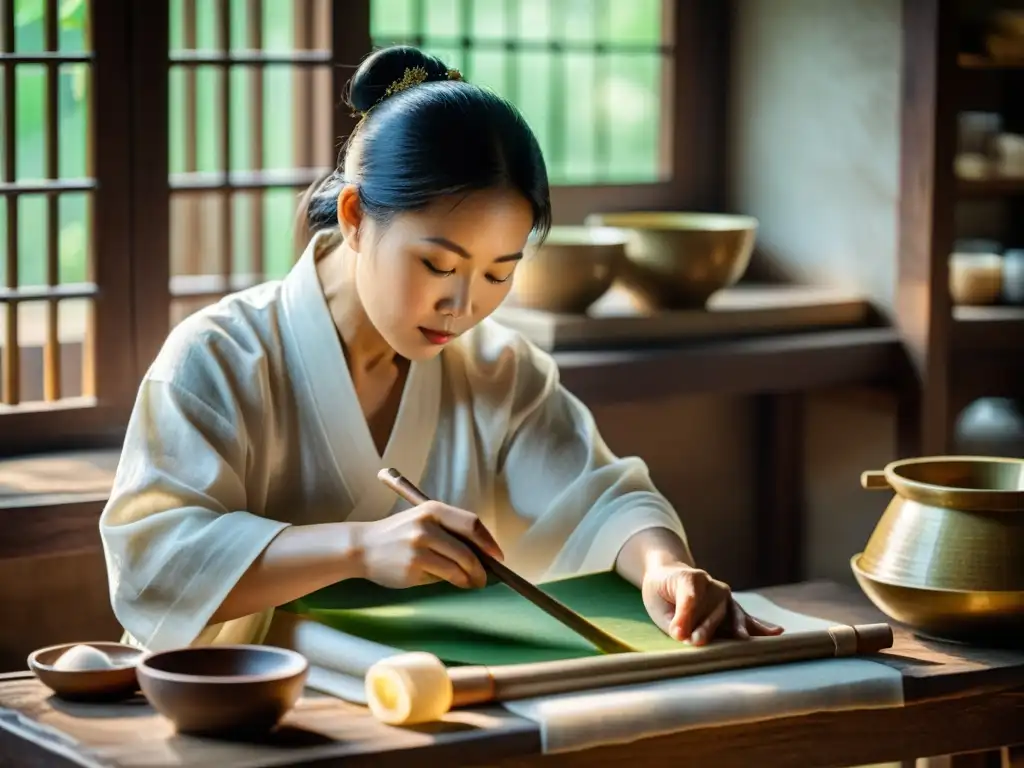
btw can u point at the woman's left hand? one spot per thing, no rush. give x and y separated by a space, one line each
691 606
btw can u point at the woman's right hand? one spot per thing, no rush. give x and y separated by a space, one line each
417 547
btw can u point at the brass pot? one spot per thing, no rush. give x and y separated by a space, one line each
947 555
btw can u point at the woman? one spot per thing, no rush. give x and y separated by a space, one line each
248 474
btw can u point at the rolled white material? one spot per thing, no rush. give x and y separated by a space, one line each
409 688
326 647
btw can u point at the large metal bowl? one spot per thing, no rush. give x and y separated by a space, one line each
947 555
678 260
963 615
571 270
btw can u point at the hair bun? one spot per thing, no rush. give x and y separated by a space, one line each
388 65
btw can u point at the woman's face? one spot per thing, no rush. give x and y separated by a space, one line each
426 277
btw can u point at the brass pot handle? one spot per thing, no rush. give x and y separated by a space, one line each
874 480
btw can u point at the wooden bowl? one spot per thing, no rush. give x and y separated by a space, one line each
679 260
223 689
573 268
118 682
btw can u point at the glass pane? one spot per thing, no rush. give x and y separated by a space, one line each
240 24
206 25
280 117
629 106
451 56
30 109
176 30
245 221
489 68
74 106
491 19
278 25
74 317
32 239
581 20
29 29
579 166
244 118
75 237
635 22
441 19
535 19
196 233
534 72
392 20
74 26
197 147
31 338
279 248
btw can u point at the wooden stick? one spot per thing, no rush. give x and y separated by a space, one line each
417 687
592 633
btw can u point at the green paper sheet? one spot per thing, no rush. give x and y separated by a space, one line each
491 626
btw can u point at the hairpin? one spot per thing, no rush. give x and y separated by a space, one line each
413 76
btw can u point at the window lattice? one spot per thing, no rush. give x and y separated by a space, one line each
587 74
46 201
250 110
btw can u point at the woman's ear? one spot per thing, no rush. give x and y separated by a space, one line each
350 216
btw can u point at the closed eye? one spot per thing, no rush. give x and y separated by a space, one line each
435 270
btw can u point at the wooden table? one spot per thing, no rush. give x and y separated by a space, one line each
958 700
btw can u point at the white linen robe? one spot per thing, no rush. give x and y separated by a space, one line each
248 422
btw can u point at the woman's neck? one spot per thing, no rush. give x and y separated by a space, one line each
365 348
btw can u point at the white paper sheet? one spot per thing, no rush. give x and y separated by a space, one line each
581 720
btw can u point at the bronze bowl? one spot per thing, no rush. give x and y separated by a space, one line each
677 260
570 270
947 555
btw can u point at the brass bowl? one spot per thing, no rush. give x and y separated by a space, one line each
679 260
573 268
954 523
963 615
223 689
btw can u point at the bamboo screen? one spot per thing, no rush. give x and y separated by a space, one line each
46 254
250 128
587 74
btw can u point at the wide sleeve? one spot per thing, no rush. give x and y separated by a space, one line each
575 502
175 532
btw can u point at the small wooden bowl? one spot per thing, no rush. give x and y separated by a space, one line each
223 690
119 682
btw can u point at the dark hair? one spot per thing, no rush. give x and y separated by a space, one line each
436 138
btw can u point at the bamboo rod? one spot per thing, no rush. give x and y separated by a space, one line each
416 687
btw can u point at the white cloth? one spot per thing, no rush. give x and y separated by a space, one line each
621 714
574 721
248 422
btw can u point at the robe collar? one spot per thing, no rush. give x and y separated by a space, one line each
311 332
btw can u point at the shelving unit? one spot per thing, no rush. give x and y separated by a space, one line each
958 354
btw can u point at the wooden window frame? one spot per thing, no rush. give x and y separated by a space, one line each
132 208
99 419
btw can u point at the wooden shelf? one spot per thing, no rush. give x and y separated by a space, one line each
988 329
994 187
977 61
